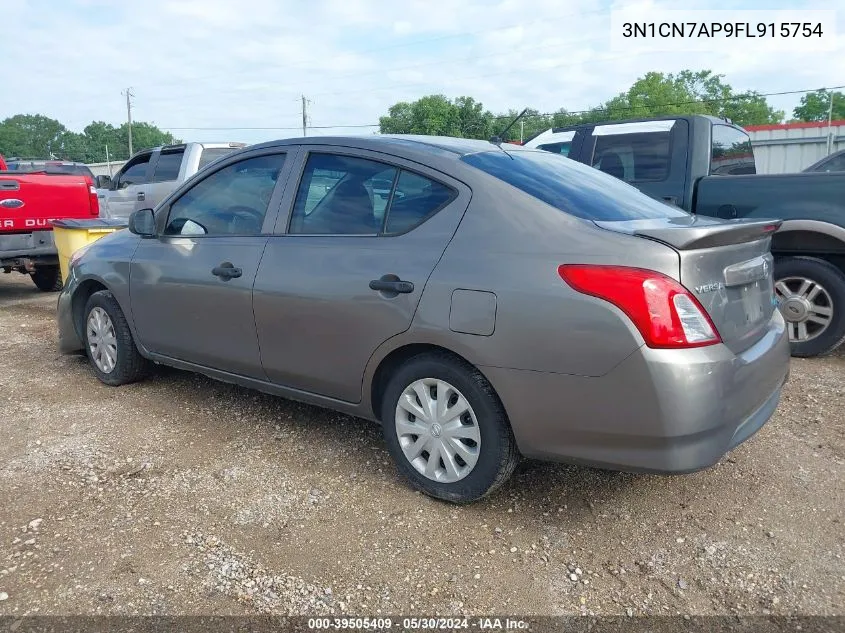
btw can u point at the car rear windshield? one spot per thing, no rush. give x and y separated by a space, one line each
211 154
570 186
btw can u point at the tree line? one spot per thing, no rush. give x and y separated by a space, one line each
654 94
38 136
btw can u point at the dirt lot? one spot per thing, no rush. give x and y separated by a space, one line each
181 495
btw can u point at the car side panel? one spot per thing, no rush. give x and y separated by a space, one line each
511 245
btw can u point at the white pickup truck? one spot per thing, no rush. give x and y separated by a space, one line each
150 175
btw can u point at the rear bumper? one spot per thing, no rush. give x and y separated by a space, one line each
37 244
669 411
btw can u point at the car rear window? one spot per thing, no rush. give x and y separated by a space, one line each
570 186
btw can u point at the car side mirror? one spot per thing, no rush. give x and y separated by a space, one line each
102 182
142 222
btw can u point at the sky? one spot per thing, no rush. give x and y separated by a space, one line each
233 65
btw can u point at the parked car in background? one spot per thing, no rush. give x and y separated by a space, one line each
150 175
499 302
834 162
706 165
32 195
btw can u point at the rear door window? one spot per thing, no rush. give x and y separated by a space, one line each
168 165
570 186
415 199
643 157
732 152
348 195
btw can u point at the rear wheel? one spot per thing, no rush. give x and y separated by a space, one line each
446 429
47 278
109 343
811 297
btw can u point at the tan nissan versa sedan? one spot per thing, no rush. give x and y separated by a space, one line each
480 301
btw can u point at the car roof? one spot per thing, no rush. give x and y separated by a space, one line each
403 144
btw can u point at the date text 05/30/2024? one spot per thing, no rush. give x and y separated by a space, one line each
722 29
429 624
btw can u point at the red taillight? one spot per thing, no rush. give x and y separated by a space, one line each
93 202
665 312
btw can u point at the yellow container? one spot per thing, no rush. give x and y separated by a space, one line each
71 235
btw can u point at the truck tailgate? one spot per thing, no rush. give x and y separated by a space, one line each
31 201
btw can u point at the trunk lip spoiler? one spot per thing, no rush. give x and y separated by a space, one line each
696 233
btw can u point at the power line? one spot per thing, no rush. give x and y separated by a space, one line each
745 95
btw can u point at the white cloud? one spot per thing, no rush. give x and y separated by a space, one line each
220 63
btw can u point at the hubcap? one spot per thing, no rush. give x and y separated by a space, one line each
102 340
437 430
806 306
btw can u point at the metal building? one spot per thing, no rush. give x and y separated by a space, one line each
790 147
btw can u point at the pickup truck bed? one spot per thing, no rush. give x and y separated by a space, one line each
706 166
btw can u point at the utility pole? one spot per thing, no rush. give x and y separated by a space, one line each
829 121
129 95
304 116
522 130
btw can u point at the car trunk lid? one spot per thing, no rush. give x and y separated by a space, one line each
726 265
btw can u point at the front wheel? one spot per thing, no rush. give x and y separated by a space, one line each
446 429
109 343
811 297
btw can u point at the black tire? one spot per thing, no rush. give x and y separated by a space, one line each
47 278
833 281
129 366
498 454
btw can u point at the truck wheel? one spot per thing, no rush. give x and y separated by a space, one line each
446 429
47 278
811 297
109 343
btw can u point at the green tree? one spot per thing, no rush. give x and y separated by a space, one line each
437 115
31 136
37 136
688 92
814 106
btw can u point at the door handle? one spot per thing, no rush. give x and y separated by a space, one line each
392 285
226 270
141 196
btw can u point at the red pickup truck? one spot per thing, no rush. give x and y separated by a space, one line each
30 199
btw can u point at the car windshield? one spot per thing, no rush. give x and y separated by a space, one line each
570 186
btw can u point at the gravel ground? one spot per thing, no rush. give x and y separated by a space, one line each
181 495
